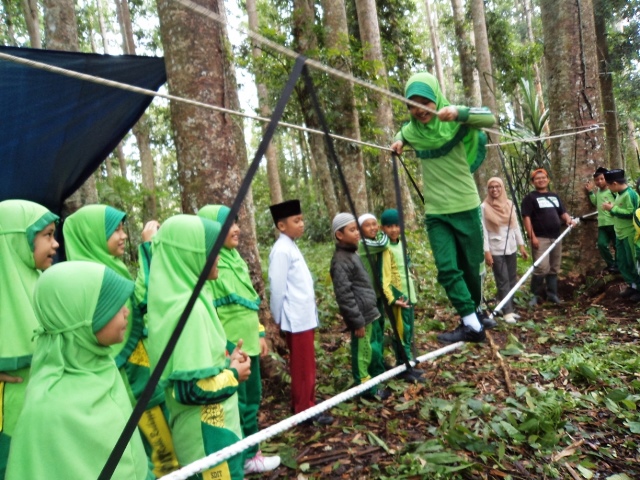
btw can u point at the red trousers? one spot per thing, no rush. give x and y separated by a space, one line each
302 363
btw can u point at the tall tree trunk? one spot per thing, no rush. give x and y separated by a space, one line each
32 19
606 86
491 165
306 41
371 44
435 47
142 127
574 101
465 55
61 33
347 120
210 146
633 152
275 189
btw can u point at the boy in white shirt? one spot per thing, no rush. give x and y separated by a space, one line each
293 305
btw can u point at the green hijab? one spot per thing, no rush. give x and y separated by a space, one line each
86 233
233 286
20 221
435 138
180 250
76 404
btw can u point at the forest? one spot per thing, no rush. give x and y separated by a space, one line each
554 396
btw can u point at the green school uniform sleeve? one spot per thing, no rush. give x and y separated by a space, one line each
214 389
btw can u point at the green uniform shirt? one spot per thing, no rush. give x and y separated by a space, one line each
396 249
598 197
624 206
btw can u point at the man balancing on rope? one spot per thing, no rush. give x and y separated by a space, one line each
451 147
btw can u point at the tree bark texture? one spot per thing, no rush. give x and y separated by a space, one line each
633 154
61 33
306 41
344 117
491 166
614 155
574 101
141 128
435 47
371 44
210 146
465 55
273 174
32 19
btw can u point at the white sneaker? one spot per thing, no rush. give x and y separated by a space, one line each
260 464
509 318
516 316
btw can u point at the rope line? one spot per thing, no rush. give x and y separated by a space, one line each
152 93
220 456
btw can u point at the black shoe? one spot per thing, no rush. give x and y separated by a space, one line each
487 322
417 371
380 394
320 419
628 292
410 376
462 334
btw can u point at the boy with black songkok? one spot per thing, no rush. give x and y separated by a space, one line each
293 305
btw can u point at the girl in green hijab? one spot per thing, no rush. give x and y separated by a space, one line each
76 404
237 304
202 379
27 246
95 233
450 145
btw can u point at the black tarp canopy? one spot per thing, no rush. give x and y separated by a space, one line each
56 130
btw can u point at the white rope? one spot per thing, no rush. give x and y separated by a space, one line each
578 131
153 93
238 447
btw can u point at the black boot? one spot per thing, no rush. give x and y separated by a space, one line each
552 289
536 284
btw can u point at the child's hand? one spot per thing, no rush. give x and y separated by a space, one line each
243 367
607 206
359 332
397 146
402 303
237 353
588 186
9 379
264 348
149 230
448 114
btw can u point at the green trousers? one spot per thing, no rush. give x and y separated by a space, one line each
458 250
366 354
404 323
606 238
626 259
249 397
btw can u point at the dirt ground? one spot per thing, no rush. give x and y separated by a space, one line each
347 450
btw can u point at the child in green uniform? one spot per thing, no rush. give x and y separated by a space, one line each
76 404
450 145
622 210
357 302
387 274
406 294
95 233
27 246
237 304
201 378
606 232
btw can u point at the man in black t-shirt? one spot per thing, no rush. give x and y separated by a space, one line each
543 216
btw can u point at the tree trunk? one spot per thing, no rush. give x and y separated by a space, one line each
491 166
275 189
210 147
371 45
61 33
574 101
306 41
435 47
8 21
32 19
465 55
633 154
347 121
141 128
606 86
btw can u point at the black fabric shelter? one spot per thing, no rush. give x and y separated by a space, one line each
56 130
